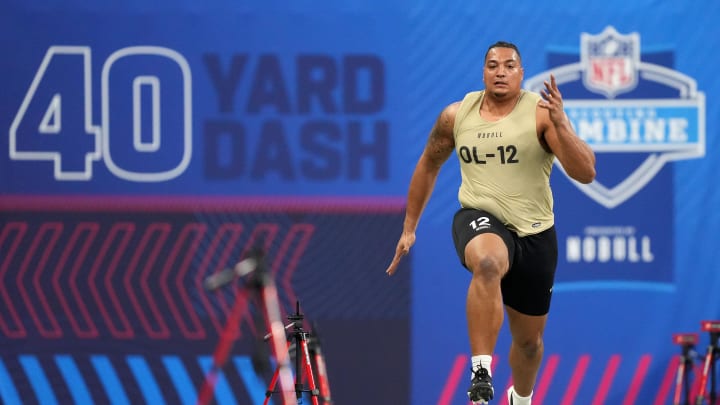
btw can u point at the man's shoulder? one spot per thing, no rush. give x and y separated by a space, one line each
474 94
530 100
531 95
469 98
452 109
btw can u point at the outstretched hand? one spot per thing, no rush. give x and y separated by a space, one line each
552 99
406 241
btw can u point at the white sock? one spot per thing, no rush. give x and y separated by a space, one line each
518 400
484 360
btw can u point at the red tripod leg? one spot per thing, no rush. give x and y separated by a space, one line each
279 346
271 386
679 381
309 372
704 377
222 352
323 382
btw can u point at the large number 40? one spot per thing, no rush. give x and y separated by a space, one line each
145 131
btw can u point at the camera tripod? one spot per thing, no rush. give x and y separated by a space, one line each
711 357
308 359
687 342
263 289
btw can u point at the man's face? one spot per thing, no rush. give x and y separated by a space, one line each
503 73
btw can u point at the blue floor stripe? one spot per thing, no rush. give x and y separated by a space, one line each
613 285
38 380
8 393
255 386
180 378
223 393
110 380
74 379
146 380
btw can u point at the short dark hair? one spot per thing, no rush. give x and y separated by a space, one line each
504 44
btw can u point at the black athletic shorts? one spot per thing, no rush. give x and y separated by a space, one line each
527 286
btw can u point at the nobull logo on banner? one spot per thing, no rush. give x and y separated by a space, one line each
629 107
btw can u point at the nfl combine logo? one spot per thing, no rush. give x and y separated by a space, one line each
610 61
628 107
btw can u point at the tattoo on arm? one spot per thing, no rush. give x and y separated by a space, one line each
438 147
440 143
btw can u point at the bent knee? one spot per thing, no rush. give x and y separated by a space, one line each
486 266
530 347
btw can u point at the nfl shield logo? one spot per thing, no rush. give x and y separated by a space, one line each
610 61
644 130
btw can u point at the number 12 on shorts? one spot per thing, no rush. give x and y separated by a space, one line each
480 223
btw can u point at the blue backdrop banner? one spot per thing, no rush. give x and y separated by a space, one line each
144 146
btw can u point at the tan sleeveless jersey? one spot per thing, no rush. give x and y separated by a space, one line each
504 169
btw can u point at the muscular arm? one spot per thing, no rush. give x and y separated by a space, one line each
576 156
440 145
